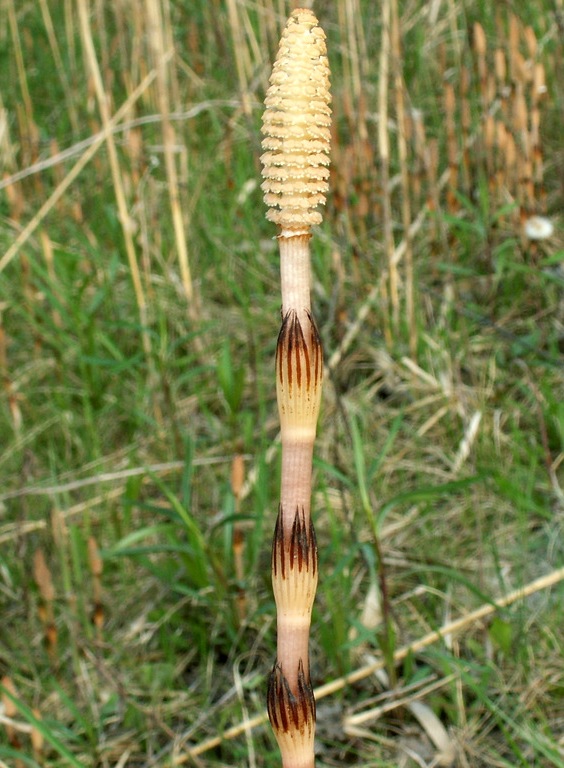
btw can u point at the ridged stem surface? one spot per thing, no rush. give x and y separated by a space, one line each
296 130
294 580
295 486
295 279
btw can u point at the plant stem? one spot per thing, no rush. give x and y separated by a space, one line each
296 143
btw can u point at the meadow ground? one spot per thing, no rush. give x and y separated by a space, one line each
139 451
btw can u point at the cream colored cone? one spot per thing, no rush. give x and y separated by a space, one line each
296 127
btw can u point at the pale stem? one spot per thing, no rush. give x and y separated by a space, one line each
293 646
295 277
295 486
305 760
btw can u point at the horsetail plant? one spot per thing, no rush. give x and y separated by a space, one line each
296 129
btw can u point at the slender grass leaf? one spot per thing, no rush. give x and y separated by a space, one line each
43 728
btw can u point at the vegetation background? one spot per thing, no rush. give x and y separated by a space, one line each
139 462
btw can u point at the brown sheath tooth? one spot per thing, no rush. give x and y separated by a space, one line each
299 375
292 716
294 566
303 544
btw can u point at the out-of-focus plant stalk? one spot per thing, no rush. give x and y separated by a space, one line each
296 129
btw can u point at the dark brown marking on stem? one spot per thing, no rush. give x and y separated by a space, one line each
288 711
292 347
300 552
298 347
297 542
277 557
303 544
317 352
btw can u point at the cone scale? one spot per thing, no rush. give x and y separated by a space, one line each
296 135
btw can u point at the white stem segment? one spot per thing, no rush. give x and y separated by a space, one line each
295 486
295 279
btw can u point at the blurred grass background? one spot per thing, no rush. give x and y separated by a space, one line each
139 309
